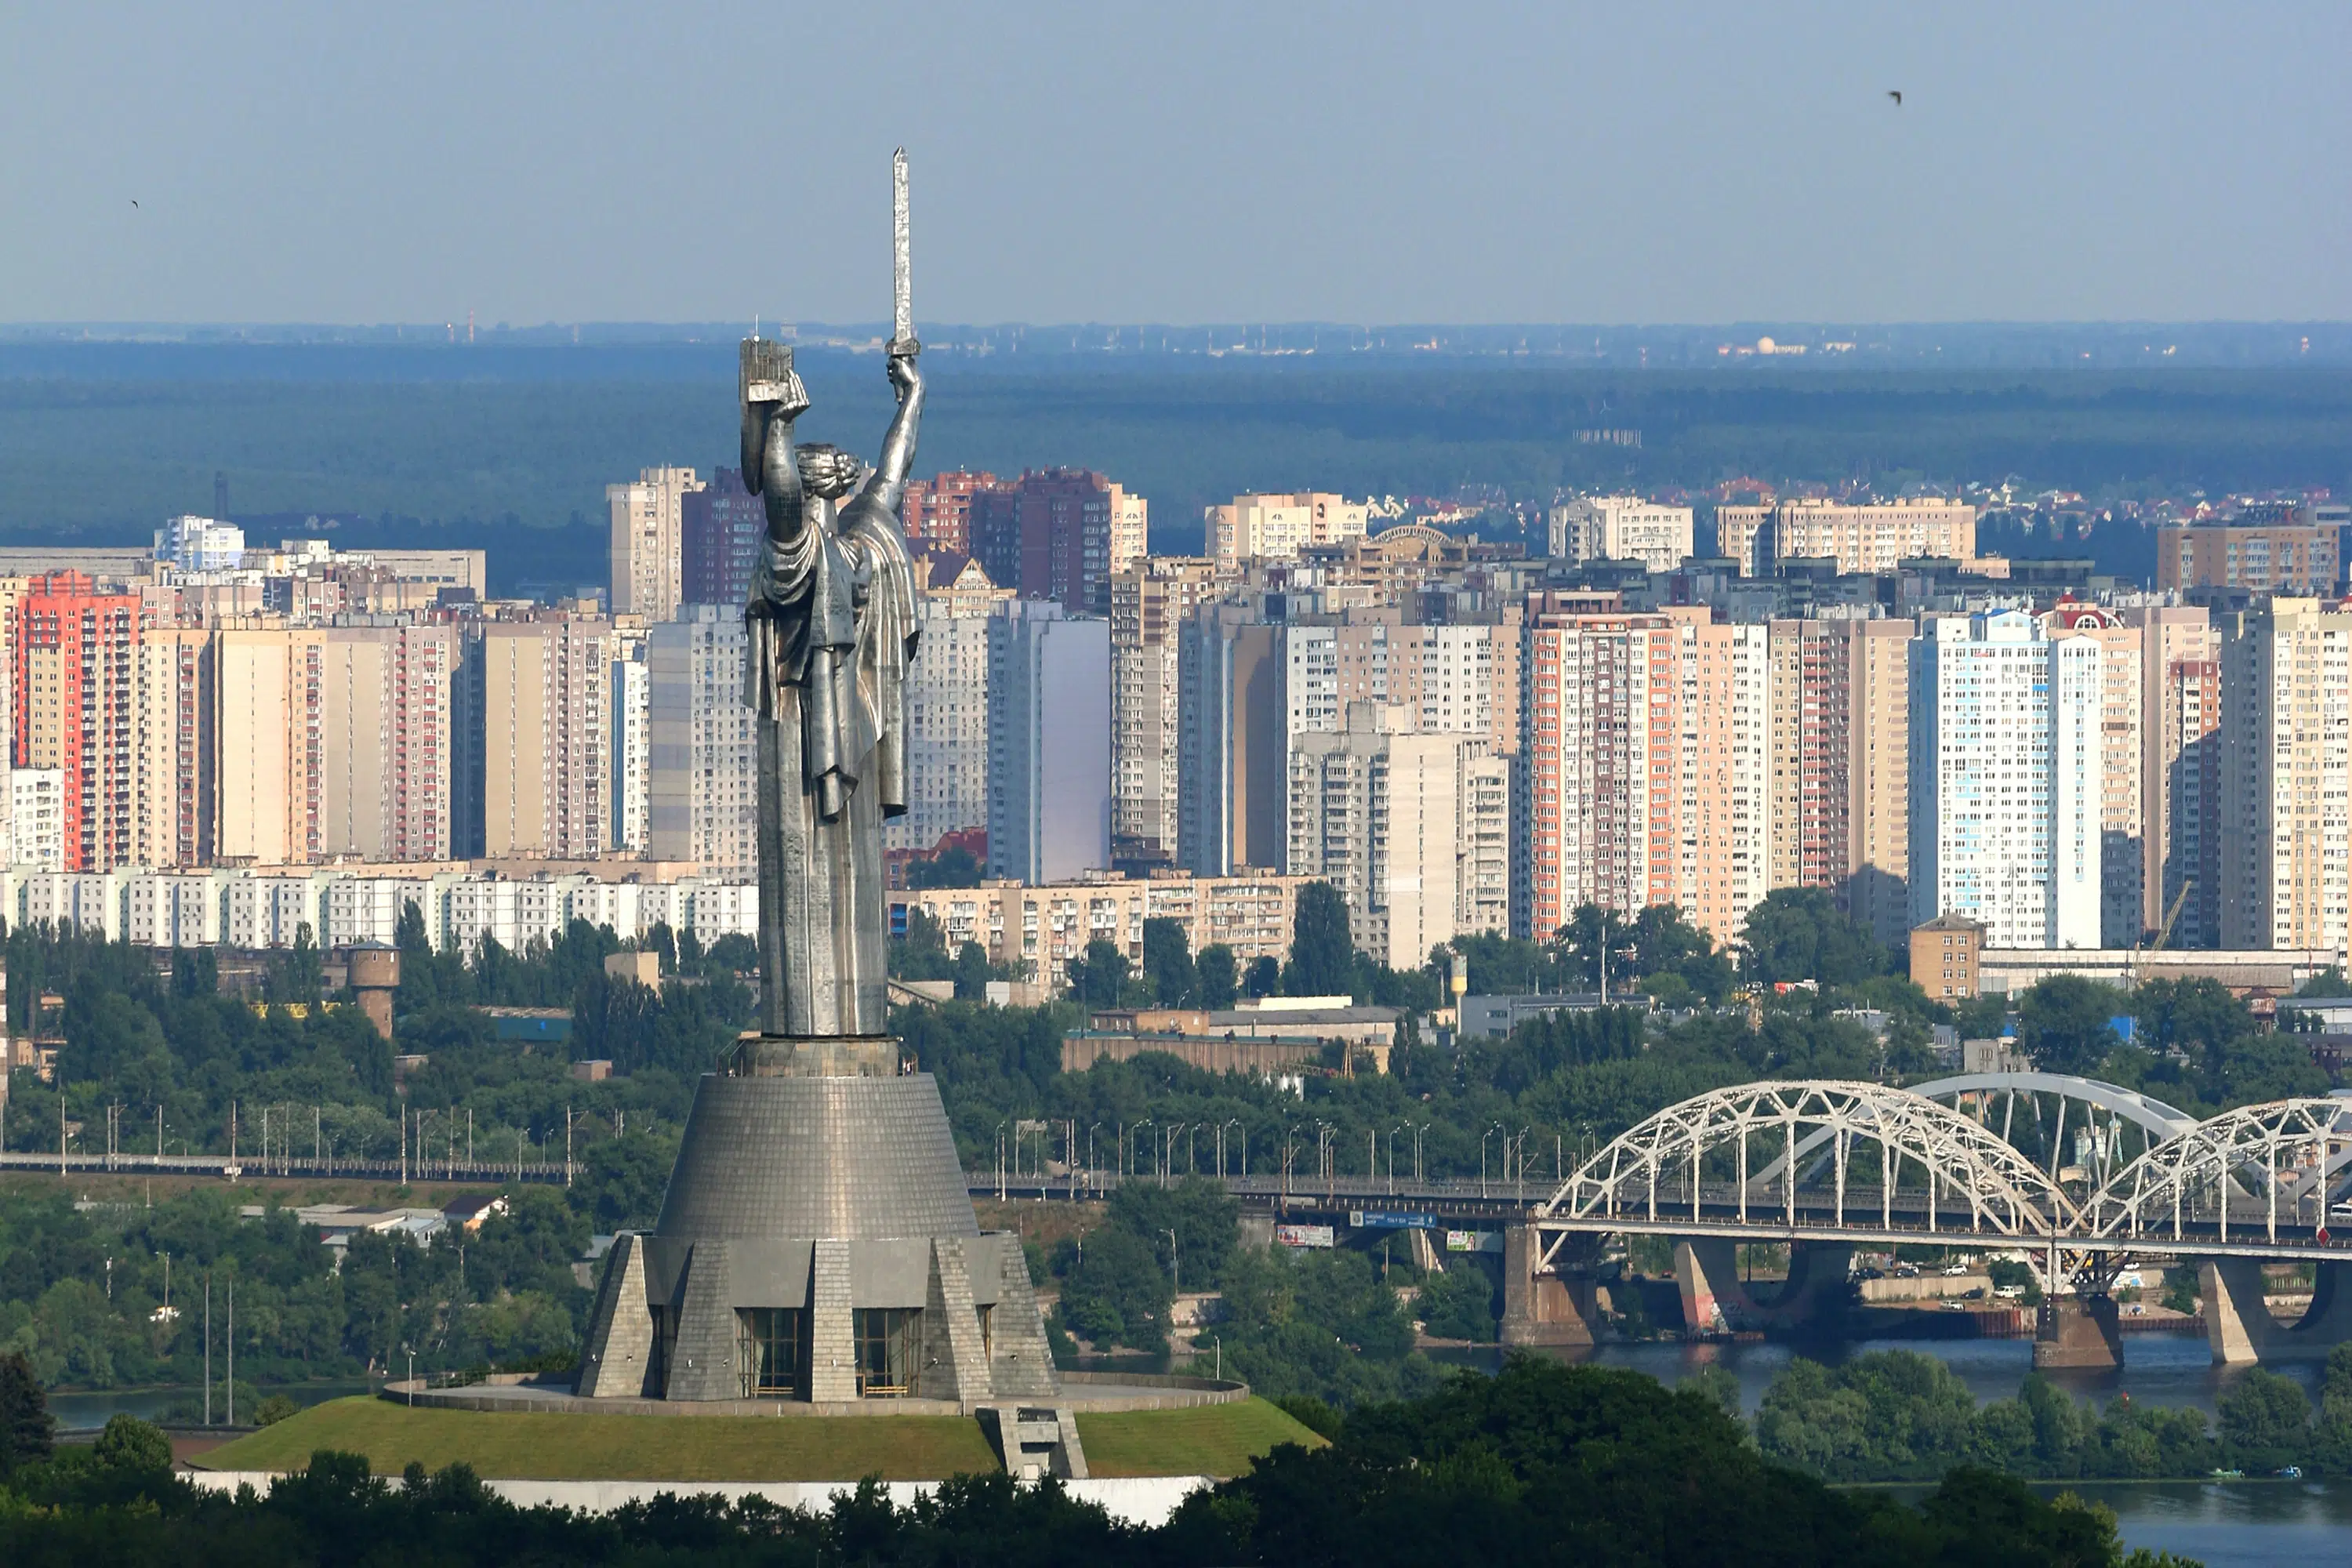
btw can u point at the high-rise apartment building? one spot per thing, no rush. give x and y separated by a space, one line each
383 747
649 527
1059 534
1150 602
1261 527
2285 830
1599 796
721 529
631 729
938 510
74 682
1877 890
174 748
2269 549
268 685
1858 538
946 704
1233 752
704 778
1621 528
2180 768
1409 827
546 738
1048 742
2006 779
200 544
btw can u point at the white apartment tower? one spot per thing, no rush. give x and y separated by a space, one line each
1621 528
1258 527
2006 779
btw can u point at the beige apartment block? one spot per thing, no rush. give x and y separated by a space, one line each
266 689
1258 526
1722 755
2289 555
1047 925
2286 774
546 722
1860 538
173 749
1878 775
1621 528
1377 810
648 534
2180 766
384 742
1150 601
947 706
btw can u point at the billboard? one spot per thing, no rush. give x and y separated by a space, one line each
1473 1241
1304 1235
1387 1219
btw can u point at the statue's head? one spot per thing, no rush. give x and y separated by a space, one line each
828 471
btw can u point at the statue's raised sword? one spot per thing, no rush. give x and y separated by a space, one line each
902 286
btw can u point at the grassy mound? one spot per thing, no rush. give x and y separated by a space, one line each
546 1446
1218 1440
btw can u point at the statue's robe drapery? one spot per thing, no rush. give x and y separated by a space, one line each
832 624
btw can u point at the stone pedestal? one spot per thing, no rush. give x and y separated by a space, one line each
2077 1331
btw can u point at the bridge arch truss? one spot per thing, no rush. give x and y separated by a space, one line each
2257 1168
1881 1152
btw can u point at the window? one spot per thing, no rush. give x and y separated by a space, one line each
987 1315
665 1342
887 1340
771 1350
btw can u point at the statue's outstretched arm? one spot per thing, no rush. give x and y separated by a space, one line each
889 481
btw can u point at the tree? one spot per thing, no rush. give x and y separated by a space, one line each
954 868
1098 977
27 1430
2062 1023
2266 1418
1263 979
131 1444
1167 961
1799 933
1215 982
1322 954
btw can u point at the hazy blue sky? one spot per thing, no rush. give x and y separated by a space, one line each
1200 162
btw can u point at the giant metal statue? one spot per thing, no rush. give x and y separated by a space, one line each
832 622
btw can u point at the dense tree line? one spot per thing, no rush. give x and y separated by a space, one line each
1541 1464
82 1287
1901 1416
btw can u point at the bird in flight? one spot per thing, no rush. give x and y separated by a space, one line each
135 201
1896 97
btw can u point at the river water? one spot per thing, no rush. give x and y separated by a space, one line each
88 1411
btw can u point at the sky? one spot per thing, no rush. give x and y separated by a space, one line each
1281 160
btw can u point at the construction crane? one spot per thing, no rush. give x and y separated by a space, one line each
2163 932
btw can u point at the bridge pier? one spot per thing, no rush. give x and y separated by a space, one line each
1542 1309
2238 1322
1706 1272
2077 1331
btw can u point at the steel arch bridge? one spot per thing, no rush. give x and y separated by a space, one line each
1848 1161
